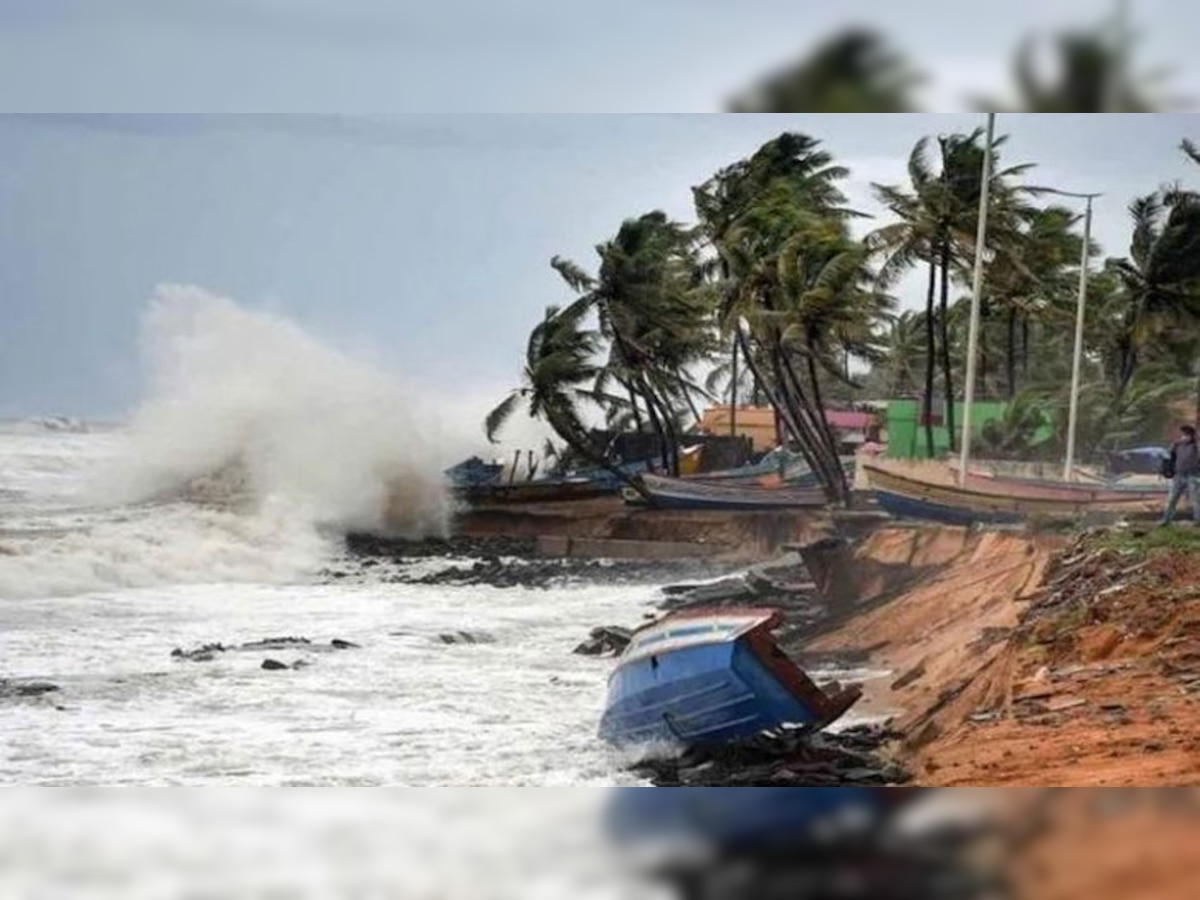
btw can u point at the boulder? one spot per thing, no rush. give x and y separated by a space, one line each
605 639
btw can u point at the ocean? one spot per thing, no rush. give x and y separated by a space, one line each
213 515
94 598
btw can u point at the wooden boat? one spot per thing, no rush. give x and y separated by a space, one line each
680 493
986 501
546 490
711 676
1062 490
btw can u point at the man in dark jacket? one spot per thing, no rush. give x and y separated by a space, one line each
1185 466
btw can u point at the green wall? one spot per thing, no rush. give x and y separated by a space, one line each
906 434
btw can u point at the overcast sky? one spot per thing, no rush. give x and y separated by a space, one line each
421 242
516 55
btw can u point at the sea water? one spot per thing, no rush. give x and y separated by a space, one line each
210 516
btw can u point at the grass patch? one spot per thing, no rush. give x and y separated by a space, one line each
1180 538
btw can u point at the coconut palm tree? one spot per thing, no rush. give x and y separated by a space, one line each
938 213
558 383
1034 277
654 311
853 71
1160 280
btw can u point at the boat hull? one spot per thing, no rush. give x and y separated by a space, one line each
998 502
677 493
536 492
703 678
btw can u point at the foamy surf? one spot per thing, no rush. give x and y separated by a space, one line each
254 448
231 389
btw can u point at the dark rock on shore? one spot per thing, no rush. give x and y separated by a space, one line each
25 689
203 653
209 652
274 665
505 562
845 759
607 639
376 547
467 637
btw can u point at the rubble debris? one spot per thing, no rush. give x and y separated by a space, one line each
850 757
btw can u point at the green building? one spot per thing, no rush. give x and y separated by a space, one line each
906 431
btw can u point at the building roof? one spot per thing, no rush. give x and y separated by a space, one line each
849 420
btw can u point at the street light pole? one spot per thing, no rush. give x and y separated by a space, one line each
976 292
1077 360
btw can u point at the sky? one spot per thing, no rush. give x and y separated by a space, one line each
419 242
371 56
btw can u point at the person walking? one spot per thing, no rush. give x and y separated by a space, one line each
1183 468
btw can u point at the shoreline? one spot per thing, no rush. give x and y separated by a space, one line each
995 679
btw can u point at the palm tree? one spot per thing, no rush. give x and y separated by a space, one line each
1034 275
909 242
759 215
654 312
1160 281
937 227
830 305
560 370
852 72
1093 76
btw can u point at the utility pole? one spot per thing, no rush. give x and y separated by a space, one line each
1077 359
976 292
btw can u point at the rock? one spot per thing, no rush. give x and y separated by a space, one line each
273 665
275 643
203 653
339 644
26 688
605 639
466 637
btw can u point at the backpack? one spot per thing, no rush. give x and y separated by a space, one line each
1166 466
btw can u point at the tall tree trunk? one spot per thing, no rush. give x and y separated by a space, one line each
733 392
633 404
927 399
812 418
1025 348
782 408
1012 352
666 419
577 438
815 378
947 365
659 430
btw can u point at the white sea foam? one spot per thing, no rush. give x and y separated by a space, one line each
255 446
234 390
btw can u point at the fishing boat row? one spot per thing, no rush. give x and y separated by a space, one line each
778 480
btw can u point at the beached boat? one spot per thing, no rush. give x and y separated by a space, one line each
711 676
546 490
680 493
995 501
1063 490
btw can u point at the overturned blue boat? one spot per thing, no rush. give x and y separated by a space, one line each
704 677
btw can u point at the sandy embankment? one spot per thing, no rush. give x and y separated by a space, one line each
1031 660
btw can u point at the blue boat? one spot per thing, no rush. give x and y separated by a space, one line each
704 677
684 493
